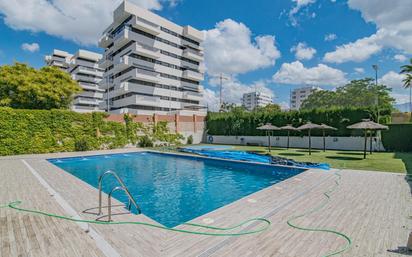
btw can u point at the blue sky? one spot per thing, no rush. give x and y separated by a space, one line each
272 46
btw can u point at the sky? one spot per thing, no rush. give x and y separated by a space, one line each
264 45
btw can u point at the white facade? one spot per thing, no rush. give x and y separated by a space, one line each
151 64
83 67
298 95
256 99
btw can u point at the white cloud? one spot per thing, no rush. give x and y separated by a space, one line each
357 51
401 98
296 74
33 47
230 49
295 10
359 70
232 91
303 52
394 30
81 21
392 79
400 58
330 37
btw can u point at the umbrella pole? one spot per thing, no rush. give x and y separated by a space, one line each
370 142
324 143
310 144
288 140
366 137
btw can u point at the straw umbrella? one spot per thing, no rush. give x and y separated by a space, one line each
367 125
325 127
309 126
288 128
268 127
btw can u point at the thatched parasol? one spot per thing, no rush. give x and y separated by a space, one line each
367 125
325 127
309 126
289 128
268 127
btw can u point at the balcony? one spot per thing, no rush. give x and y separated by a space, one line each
79 77
193 33
188 74
91 86
145 25
146 50
193 55
105 41
196 96
86 101
87 70
97 95
106 61
137 100
141 74
121 63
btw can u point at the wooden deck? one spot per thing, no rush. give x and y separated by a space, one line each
372 208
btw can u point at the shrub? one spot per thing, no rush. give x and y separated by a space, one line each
245 123
46 131
145 141
190 140
82 144
398 137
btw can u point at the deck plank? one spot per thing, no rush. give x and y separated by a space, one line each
370 207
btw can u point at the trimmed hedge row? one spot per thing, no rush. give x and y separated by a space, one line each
44 131
398 137
245 123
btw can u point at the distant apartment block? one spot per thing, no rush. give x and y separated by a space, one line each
58 58
256 99
151 64
299 95
83 66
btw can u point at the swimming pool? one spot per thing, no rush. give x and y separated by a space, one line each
173 189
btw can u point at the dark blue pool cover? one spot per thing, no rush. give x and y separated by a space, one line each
253 157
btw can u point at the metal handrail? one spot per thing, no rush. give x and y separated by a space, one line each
121 187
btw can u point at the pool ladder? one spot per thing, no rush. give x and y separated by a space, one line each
122 187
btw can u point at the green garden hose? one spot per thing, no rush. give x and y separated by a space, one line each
317 208
14 205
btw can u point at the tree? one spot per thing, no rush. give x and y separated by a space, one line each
407 81
24 87
268 108
357 93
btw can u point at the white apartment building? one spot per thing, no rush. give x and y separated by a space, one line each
151 64
256 99
58 58
298 95
83 66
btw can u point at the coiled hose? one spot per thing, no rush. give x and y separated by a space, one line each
14 205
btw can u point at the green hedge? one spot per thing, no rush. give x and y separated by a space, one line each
398 138
44 131
245 123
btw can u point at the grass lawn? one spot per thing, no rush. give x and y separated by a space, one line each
384 161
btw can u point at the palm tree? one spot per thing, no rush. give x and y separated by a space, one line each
407 82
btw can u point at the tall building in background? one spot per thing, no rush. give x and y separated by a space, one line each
256 99
298 95
151 64
58 58
83 67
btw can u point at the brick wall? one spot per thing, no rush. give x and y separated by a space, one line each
185 125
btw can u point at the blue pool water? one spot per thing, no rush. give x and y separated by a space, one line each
172 189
